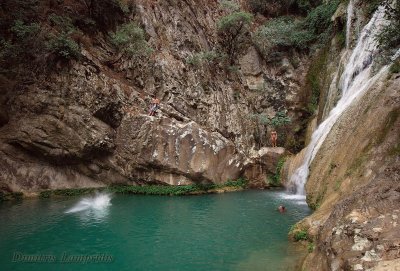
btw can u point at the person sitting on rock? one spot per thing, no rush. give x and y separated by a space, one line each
274 138
155 104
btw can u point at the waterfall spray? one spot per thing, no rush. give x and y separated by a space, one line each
354 81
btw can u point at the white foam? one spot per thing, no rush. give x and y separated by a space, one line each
294 197
99 202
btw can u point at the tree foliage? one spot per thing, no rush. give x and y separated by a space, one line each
233 32
63 46
274 8
230 5
279 35
130 40
284 33
319 19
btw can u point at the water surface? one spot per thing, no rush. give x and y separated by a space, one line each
234 231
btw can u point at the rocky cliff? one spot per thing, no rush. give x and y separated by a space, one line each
85 123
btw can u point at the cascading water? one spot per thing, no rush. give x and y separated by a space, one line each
354 81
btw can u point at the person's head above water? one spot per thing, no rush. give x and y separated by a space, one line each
281 208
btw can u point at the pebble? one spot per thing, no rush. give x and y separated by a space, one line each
358 267
377 229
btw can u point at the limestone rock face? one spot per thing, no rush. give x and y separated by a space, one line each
354 184
85 123
262 165
164 150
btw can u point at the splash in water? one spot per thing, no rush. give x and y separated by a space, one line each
354 81
99 202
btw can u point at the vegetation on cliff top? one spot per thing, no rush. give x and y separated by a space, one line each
284 33
34 35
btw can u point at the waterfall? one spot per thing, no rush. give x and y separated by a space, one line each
354 81
350 12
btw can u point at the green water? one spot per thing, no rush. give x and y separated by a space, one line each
234 231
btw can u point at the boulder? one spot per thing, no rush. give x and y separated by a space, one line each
262 165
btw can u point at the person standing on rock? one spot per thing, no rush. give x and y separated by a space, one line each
274 138
155 104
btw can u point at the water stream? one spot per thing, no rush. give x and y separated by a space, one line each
354 81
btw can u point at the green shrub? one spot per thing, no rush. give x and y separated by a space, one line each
73 192
319 20
270 7
162 190
63 23
26 41
280 119
45 194
130 40
372 6
63 46
208 57
276 179
25 32
281 34
395 67
280 7
238 183
315 78
341 39
310 247
230 5
305 6
233 32
23 44
300 235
